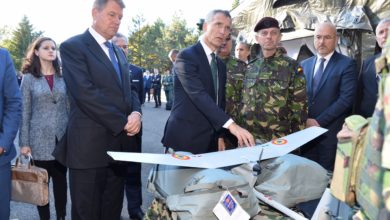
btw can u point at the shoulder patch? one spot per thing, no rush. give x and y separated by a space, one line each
299 70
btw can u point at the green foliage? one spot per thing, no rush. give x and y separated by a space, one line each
19 41
235 4
149 45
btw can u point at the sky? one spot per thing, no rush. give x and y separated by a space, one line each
61 19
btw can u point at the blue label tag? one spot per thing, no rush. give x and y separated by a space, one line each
229 204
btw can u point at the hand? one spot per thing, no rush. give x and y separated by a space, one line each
243 136
133 125
25 150
2 151
310 122
221 144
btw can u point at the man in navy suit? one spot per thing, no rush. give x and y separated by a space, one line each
197 117
105 115
331 87
10 116
133 185
368 81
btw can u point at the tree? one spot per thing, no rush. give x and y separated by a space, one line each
20 39
4 33
235 4
137 32
149 45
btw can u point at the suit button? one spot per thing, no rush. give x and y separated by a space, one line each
313 103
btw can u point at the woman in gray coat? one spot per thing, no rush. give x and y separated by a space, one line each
45 116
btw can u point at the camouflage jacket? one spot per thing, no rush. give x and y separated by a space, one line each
167 81
234 84
274 101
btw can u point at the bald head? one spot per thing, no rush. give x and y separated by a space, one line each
325 38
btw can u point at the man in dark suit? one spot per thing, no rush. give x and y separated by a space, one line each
10 116
104 115
368 81
331 87
147 84
133 185
156 85
198 115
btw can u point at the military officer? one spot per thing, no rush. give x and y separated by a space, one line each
167 81
274 102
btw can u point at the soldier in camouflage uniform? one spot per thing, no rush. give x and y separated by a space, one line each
167 82
274 102
373 188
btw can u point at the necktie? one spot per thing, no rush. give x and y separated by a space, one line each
318 75
114 62
214 72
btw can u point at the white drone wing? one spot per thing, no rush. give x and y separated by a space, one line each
275 148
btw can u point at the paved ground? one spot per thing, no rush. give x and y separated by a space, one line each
153 125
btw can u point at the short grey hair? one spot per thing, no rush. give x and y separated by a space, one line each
100 4
211 14
119 35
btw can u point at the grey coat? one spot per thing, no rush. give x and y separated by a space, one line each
45 115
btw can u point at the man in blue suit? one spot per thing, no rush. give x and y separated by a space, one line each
368 81
10 116
331 87
133 185
105 115
197 117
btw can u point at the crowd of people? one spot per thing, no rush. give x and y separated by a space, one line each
70 115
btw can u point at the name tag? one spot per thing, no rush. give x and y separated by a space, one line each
135 80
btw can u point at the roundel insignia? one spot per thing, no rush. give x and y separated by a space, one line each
180 157
279 141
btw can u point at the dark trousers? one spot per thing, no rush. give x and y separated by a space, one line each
133 184
97 193
157 96
147 92
323 154
5 190
57 173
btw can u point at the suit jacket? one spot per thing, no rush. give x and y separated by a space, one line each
147 82
10 107
99 103
334 98
368 88
137 80
45 115
195 117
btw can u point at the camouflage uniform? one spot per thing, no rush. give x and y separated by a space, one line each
274 102
167 82
234 84
158 211
373 188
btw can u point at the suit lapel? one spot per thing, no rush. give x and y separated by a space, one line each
327 71
309 75
205 62
100 55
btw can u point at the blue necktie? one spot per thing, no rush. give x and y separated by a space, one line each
114 62
318 75
214 71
